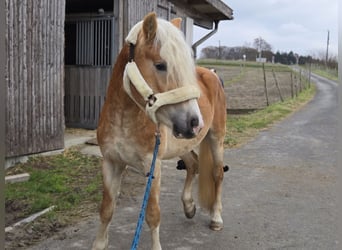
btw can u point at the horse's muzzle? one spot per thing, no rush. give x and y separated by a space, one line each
188 130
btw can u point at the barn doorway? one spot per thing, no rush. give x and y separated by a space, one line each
89 56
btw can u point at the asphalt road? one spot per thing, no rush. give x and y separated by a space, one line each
280 193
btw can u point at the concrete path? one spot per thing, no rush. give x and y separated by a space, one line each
279 193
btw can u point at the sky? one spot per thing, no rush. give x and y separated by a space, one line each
300 26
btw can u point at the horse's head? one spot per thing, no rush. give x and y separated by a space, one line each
162 71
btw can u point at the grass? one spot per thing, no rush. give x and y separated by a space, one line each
320 70
332 75
241 128
240 63
67 180
233 75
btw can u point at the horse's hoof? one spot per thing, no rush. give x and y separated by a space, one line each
216 226
190 214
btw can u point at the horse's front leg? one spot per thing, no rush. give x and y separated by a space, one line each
191 164
111 175
153 208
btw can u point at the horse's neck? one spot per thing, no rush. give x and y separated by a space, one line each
116 95
121 110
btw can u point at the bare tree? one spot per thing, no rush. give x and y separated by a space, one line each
260 45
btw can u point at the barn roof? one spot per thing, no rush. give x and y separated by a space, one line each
205 12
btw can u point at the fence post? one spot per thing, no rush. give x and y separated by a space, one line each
310 74
292 94
276 83
300 80
265 87
295 85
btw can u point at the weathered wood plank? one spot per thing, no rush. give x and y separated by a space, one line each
17 178
34 75
86 90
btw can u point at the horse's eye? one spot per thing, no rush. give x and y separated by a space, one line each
161 66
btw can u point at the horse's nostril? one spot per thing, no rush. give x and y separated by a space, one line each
194 122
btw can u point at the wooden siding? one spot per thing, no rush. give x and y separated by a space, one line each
34 76
85 90
135 10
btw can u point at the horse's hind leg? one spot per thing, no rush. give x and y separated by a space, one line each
153 208
218 173
191 162
111 184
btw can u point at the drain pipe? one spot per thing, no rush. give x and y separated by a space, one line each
196 44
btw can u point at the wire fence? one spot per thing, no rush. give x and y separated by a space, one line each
254 86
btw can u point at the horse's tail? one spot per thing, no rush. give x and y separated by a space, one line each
206 183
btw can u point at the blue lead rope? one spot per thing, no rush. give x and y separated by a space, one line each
146 195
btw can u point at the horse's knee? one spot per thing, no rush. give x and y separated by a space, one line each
190 162
107 206
153 213
216 223
218 173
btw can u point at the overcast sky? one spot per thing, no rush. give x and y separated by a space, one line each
300 26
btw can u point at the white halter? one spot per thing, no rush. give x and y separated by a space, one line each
154 101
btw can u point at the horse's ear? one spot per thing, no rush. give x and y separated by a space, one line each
177 22
150 26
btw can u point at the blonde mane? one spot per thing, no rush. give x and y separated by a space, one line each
174 50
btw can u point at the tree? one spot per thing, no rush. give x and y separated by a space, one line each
291 59
209 52
277 57
261 45
250 53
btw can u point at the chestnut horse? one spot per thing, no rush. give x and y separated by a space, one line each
155 86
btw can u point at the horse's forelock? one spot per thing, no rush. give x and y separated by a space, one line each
173 49
176 52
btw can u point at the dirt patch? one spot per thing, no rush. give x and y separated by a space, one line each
245 86
248 92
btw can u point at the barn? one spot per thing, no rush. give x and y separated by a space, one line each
60 55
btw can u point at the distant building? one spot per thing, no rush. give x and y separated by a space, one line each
261 59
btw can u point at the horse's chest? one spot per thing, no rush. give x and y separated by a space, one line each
126 151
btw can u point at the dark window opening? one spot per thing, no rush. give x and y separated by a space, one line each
89 41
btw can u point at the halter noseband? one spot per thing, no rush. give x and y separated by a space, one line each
153 101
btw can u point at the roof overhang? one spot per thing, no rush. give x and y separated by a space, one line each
205 12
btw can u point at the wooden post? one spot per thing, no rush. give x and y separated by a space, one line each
300 80
310 74
265 86
277 85
292 94
295 85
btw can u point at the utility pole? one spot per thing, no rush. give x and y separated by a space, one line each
327 52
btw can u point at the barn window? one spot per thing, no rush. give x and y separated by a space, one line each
89 41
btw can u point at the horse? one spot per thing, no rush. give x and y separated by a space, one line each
156 87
